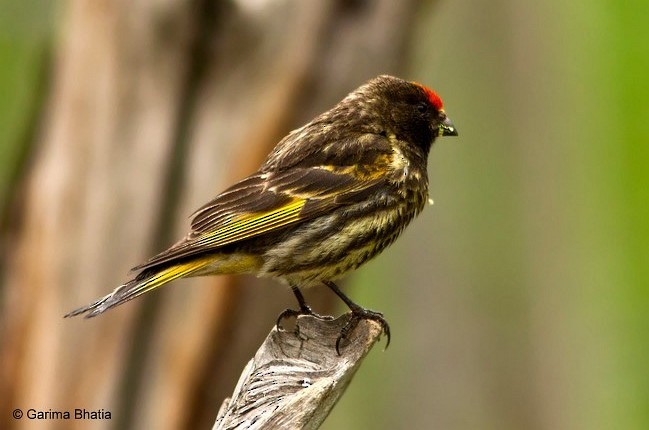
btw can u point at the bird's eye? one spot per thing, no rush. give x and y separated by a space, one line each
422 108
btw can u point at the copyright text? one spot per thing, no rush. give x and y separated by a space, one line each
53 414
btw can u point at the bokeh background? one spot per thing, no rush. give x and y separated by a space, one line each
519 300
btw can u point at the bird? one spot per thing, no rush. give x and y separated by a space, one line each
331 195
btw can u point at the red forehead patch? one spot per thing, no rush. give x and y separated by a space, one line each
433 98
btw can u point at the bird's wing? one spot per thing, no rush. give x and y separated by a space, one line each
266 202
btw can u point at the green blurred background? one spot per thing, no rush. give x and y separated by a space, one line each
26 30
520 299
538 242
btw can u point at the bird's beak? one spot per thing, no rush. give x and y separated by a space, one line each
446 128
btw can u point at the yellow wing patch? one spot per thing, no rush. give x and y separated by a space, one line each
249 225
167 275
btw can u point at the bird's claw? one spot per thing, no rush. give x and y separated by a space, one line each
357 315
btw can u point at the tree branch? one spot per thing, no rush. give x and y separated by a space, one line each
296 377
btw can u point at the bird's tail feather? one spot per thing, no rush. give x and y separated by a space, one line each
138 286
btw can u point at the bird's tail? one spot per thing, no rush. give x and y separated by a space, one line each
143 283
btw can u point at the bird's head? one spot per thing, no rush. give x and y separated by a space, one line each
410 111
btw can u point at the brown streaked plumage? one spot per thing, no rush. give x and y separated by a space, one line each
331 195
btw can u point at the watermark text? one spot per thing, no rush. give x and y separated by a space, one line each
63 414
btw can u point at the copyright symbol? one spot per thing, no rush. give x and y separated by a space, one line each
18 414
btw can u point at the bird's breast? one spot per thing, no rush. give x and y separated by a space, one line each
332 245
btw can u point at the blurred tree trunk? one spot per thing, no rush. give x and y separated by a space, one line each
154 108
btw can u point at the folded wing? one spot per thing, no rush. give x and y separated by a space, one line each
266 202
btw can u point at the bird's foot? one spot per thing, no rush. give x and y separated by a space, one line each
357 315
294 313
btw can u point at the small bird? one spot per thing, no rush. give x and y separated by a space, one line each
331 195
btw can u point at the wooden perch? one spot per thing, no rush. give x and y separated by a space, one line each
296 376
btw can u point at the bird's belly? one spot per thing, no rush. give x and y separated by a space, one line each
328 247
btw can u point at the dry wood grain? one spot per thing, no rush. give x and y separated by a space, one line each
296 377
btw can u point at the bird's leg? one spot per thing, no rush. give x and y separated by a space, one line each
304 309
358 313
